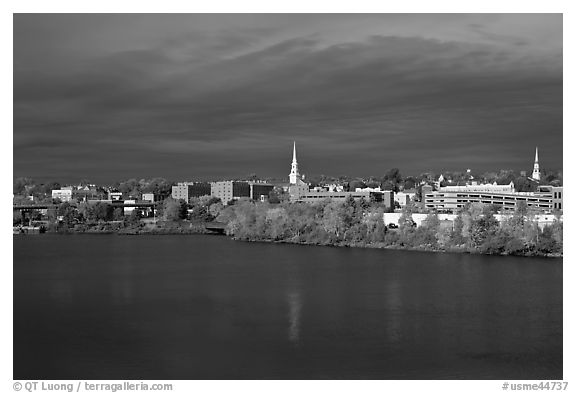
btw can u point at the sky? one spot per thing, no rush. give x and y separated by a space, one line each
108 97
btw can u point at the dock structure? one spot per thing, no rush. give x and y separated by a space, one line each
216 227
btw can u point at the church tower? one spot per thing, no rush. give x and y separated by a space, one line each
536 171
294 175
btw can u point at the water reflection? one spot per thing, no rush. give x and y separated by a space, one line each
393 299
122 293
295 311
61 290
119 312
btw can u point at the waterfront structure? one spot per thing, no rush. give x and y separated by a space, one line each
536 170
64 194
187 190
547 198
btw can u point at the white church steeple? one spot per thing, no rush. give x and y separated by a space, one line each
294 175
536 171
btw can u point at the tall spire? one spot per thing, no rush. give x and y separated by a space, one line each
536 171
294 175
294 154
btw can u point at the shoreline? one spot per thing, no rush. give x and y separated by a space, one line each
397 248
192 229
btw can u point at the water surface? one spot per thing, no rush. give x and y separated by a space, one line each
208 307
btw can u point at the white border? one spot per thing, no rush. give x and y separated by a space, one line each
318 6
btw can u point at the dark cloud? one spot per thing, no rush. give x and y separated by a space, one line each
224 102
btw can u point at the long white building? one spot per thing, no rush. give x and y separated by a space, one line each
547 198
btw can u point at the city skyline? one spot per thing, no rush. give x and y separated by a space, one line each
313 174
110 97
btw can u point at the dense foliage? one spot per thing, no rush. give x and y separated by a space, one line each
358 223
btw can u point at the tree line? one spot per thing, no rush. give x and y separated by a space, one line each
350 222
359 223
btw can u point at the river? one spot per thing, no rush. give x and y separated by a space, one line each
209 307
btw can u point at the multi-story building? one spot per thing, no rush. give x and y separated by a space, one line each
452 198
426 189
187 190
297 191
230 190
260 191
403 197
504 197
115 196
386 197
556 195
149 197
199 189
85 193
64 194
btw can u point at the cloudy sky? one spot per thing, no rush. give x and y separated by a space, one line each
109 97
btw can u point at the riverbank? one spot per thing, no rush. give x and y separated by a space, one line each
142 228
199 228
383 246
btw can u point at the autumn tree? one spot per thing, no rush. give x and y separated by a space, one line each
174 210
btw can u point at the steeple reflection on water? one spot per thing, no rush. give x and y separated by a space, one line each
295 309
